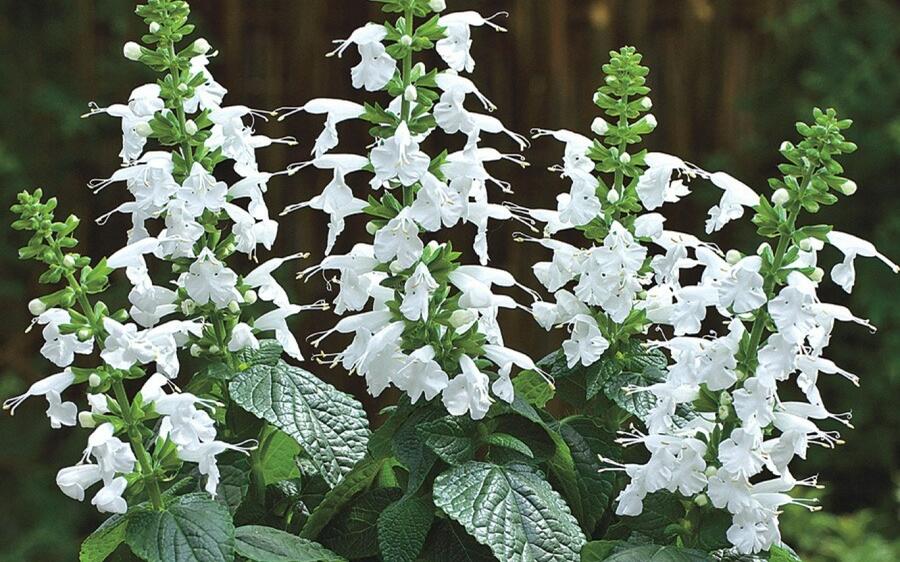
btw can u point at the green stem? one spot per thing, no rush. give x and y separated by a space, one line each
186 151
407 64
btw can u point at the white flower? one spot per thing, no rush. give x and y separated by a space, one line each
276 321
250 232
586 344
268 288
421 376
655 185
60 413
109 499
742 290
61 348
737 196
208 95
74 480
740 453
201 191
336 111
844 273
454 47
689 310
417 294
149 303
112 455
209 280
242 337
467 392
581 205
753 403
54 383
793 313
143 103
399 157
399 239
204 454
437 204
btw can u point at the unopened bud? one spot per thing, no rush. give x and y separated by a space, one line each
190 127
610 79
438 5
711 471
612 196
154 27
650 120
461 318
132 51
624 158
817 275
84 334
234 307
781 196
600 126
806 244
406 40
701 500
763 248
250 296
37 307
214 349
188 307
86 420
410 93
848 187
733 256
785 146
201 46
94 380
646 103
69 261
723 412
371 228
182 87
143 129
725 398
196 350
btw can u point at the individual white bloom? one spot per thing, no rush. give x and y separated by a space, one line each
242 338
109 499
478 213
54 383
382 359
74 480
655 185
60 413
777 360
455 47
113 456
208 95
152 389
358 279
267 287
204 454
649 225
376 68
181 234
475 283
276 321
586 344
237 140
844 273
740 453
737 196
61 348
421 376
183 423
143 103
437 204
810 368
123 346
490 124
689 310
209 280
249 232
792 311
742 290
717 363
505 358
468 392
753 403
753 531
399 240
399 157
581 205
417 294
667 267
201 191
149 303
567 263
336 111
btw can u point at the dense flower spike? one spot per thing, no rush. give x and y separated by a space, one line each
187 219
777 332
432 321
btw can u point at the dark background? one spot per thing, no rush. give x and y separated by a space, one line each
729 79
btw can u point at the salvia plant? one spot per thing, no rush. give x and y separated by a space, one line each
664 428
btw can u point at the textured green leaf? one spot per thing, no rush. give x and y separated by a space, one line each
279 458
511 509
402 529
635 403
355 482
661 509
450 438
354 532
233 483
269 353
711 531
781 554
533 388
509 442
449 542
193 528
586 441
330 425
656 553
411 450
598 374
105 540
265 544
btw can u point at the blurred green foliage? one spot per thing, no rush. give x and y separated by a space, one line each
840 53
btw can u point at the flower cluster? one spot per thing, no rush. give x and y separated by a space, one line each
185 218
736 450
432 329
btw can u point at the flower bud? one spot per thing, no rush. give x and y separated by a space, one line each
650 120
37 307
733 256
250 296
461 318
701 500
848 187
195 350
154 27
132 51
600 126
438 5
785 146
182 87
610 79
410 93
86 420
94 380
201 46
69 261
234 307
723 412
84 334
817 275
406 40
711 471
143 129
807 244
781 196
646 103
190 127
188 307
624 158
214 349
371 228
612 196
725 398
763 248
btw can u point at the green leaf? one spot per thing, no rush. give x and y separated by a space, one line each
450 438
637 403
354 532
599 373
448 542
355 482
508 441
533 388
403 528
193 528
661 509
269 353
105 540
330 425
234 479
279 458
265 544
656 553
512 509
586 441
411 450
781 554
